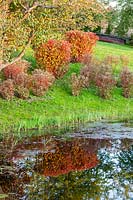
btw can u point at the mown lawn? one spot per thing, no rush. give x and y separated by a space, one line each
59 107
103 48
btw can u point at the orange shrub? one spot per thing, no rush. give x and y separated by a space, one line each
54 56
81 43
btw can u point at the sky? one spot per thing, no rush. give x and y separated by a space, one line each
113 4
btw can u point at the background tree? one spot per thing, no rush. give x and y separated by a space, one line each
112 19
32 22
125 19
119 16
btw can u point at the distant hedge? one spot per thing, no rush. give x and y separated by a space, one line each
113 39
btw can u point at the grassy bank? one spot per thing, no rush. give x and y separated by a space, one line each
59 107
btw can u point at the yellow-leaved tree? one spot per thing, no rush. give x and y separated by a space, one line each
24 23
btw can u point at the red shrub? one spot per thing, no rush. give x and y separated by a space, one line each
112 60
54 56
22 92
124 60
105 83
87 59
95 72
76 84
22 84
7 89
41 81
11 71
98 73
81 43
23 80
126 78
89 72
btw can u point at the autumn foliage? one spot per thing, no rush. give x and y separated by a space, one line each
40 82
7 89
75 84
66 157
94 73
105 83
12 70
22 84
22 92
22 80
126 78
54 56
81 43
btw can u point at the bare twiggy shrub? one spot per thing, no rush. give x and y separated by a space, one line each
126 77
7 89
76 84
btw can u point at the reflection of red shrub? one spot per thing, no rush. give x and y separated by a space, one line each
59 164
65 158
81 43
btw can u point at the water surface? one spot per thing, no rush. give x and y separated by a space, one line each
94 163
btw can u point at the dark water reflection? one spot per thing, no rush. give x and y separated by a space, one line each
83 166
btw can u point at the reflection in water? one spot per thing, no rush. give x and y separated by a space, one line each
76 168
66 156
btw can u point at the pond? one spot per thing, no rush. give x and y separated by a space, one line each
95 163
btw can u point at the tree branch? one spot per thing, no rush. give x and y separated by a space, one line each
2 66
34 6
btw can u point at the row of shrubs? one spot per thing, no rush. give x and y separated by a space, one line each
101 75
53 58
19 83
93 73
55 55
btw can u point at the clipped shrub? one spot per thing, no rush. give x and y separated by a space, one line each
40 82
7 89
54 57
76 84
81 43
12 70
126 78
22 92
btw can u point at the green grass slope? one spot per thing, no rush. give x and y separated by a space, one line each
59 107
